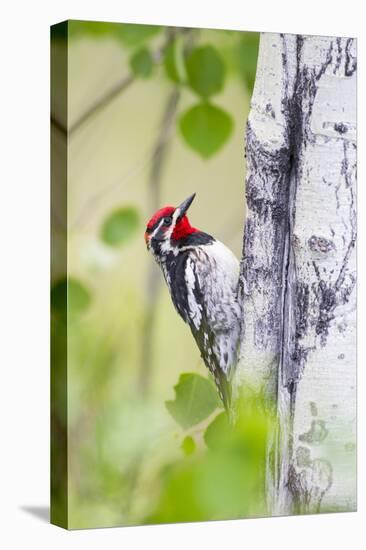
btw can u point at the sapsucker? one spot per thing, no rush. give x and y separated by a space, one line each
202 276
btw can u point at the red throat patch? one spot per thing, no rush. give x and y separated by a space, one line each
182 229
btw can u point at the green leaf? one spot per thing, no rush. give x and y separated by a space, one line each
69 293
78 297
247 55
206 128
217 431
120 226
179 499
228 483
136 35
188 445
141 63
206 71
195 399
174 61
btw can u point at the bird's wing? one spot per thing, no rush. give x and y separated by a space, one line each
217 278
214 313
204 294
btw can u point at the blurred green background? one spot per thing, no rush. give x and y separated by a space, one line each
154 114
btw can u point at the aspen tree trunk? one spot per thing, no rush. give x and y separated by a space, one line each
298 272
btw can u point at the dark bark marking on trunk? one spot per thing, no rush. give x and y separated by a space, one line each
326 297
341 128
330 295
320 244
296 296
351 61
339 56
267 204
309 479
316 434
310 484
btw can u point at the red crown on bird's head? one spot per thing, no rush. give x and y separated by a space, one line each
165 211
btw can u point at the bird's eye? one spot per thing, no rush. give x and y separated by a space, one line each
167 220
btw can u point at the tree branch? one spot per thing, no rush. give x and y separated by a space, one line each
102 102
118 88
153 276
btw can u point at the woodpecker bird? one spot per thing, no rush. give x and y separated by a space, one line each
202 276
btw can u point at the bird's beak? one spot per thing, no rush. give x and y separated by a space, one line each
183 208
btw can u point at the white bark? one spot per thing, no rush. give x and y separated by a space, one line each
298 272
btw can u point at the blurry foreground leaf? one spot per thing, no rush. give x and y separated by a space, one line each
225 481
240 452
141 63
120 226
179 500
174 61
71 292
206 71
206 128
226 485
247 54
135 35
216 432
188 445
195 399
78 297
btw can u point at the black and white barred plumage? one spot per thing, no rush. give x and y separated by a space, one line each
202 276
